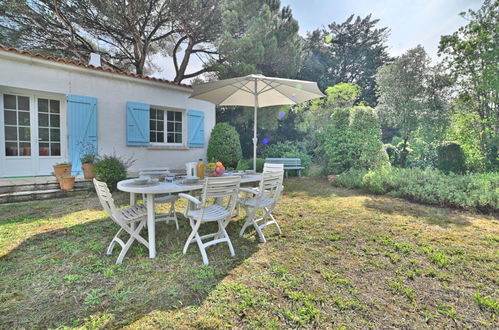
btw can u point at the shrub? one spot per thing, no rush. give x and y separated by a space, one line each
450 158
428 186
350 179
353 140
393 153
111 169
377 181
247 164
224 145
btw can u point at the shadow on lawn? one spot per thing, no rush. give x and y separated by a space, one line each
63 277
432 215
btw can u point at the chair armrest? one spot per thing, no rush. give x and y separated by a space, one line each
190 198
247 190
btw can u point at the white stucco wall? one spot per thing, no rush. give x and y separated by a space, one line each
112 92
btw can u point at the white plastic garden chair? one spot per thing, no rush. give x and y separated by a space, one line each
131 221
270 167
225 191
265 199
267 167
169 198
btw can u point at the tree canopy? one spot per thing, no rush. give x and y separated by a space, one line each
348 52
472 54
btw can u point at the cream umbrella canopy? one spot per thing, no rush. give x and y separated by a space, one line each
256 91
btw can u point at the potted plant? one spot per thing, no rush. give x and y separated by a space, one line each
88 159
67 182
62 169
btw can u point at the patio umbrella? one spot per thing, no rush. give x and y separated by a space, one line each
256 91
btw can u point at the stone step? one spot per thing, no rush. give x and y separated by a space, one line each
35 186
23 196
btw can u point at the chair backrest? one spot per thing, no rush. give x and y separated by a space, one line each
222 187
270 167
271 185
284 161
153 171
105 198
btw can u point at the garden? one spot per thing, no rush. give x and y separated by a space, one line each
394 223
346 259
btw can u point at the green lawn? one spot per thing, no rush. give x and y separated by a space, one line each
344 259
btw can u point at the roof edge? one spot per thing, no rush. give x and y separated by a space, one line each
89 67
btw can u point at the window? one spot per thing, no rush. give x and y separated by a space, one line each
17 125
49 127
165 126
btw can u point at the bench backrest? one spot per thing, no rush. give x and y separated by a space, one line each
285 161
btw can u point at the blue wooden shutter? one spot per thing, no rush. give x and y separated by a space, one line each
82 127
195 125
137 123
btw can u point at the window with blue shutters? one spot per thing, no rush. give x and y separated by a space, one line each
82 127
137 121
195 123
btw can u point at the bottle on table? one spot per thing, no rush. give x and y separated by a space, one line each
200 169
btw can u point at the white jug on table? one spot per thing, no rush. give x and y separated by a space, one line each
191 168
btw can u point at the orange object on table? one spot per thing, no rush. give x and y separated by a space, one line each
201 169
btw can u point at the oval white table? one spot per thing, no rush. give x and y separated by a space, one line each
163 188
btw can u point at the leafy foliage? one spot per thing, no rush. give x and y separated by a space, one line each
348 52
247 164
353 140
451 158
471 53
224 145
111 169
429 186
412 98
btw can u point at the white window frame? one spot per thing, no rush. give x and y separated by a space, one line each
184 127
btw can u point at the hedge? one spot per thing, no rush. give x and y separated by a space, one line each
472 191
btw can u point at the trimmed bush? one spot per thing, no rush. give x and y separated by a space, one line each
111 169
353 140
450 158
224 145
428 186
247 164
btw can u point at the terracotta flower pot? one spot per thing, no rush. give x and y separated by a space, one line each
331 177
88 171
60 170
67 182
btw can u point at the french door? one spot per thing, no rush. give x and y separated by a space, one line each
33 131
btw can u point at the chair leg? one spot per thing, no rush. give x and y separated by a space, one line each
248 222
192 234
173 213
260 232
201 249
268 213
225 235
124 250
115 239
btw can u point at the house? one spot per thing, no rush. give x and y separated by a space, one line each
51 109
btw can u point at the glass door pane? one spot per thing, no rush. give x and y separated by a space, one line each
17 125
49 127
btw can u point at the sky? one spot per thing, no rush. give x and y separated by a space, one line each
411 22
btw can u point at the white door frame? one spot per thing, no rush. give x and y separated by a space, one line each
40 165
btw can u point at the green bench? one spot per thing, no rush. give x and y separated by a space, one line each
289 164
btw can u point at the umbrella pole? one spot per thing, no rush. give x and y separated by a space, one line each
254 129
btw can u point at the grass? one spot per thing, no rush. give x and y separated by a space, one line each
345 259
